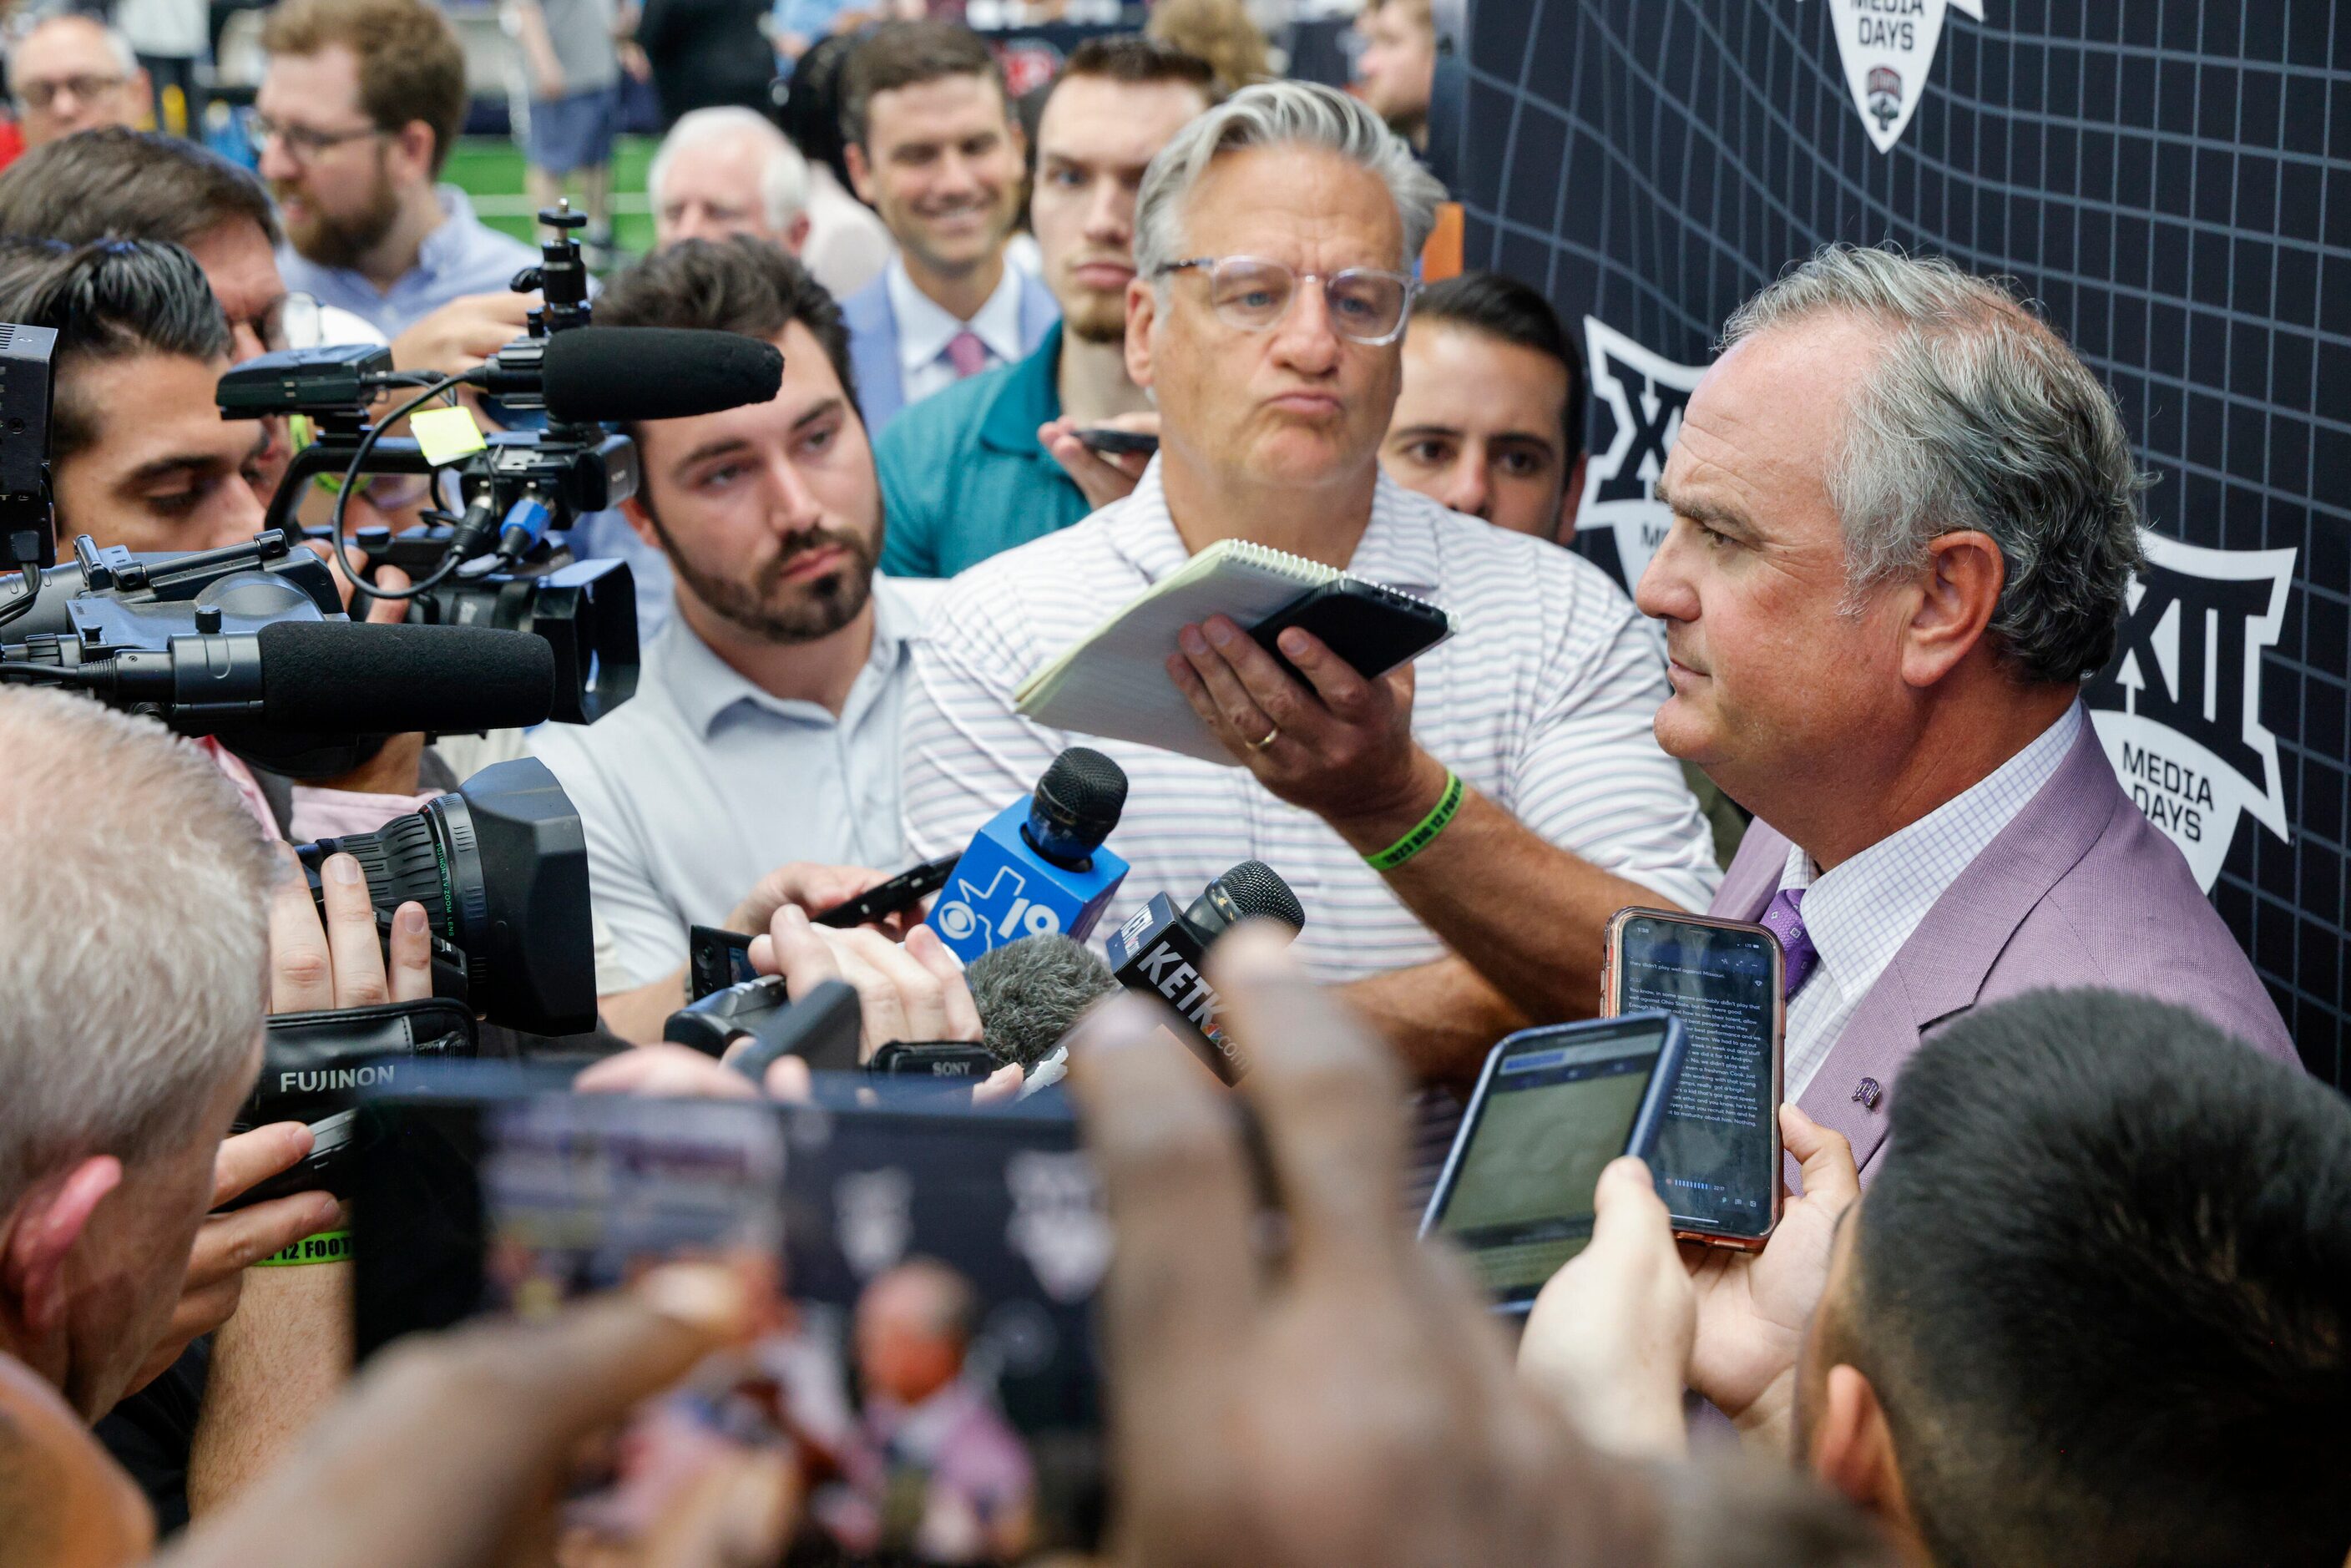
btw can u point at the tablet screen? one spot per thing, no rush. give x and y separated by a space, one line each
1556 1106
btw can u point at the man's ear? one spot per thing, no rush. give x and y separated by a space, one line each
48 1222
414 142
796 234
640 522
1570 500
1852 1448
1141 315
1958 593
861 174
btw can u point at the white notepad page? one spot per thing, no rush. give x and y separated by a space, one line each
1113 682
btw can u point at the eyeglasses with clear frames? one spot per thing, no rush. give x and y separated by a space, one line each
301 142
1366 304
41 94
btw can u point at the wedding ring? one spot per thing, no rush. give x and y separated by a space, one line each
1270 737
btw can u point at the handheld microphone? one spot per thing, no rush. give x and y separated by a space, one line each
1030 994
1162 950
1039 867
598 375
342 676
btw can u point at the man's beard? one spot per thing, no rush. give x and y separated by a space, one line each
816 609
342 243
1096 317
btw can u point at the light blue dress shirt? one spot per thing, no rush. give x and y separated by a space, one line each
703 783
462 257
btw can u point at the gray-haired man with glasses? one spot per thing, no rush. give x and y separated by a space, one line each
71 72
1429 822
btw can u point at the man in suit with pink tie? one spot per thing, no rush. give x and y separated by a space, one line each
1905 519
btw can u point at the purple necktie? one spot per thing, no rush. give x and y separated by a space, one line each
1784 921
967 354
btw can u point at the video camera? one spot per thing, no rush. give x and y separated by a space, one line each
501 867
520 487
494 563
250 643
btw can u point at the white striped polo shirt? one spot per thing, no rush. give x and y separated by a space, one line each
1543 702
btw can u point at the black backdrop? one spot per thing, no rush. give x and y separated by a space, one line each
2170 178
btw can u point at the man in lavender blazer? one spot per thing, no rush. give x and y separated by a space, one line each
2079 889
1905 520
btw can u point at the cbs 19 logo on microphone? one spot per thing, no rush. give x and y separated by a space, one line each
958 922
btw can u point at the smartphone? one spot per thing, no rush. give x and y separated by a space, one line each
1373 628
1553 1106
498 1194
1717 1162
904 890
1122 443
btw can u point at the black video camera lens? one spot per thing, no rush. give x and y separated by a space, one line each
501 868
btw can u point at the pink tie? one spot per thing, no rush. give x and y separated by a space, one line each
967 354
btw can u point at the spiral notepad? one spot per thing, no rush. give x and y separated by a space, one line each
1113 682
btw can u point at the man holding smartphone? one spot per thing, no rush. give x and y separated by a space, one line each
2091 1311
1905 517
995 461
764 733
1460 830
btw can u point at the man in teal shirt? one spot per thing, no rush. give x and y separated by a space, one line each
993 461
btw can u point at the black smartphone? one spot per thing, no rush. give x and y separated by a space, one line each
1120 442
1718 1164
1551 1108
1373 628
715 959
904 890
498 1194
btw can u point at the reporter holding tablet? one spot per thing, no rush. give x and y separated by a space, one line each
1459 831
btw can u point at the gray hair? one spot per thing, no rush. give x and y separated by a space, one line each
134 949
1278 114
117 42
1975 415
783 172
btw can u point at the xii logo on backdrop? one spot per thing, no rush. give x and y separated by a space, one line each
1645 394
2178 708
1888 46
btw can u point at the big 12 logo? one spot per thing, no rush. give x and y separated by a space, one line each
1620 522
2178 708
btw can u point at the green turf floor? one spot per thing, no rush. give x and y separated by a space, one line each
489 169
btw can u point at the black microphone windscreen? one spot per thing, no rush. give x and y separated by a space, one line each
1085 789
1031 993
347 675
1258 891
602 374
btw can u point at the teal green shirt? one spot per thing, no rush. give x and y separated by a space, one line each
963 475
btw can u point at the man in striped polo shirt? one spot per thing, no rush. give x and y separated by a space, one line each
1274 240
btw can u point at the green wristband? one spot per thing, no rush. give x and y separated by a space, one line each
1421 837
323 1246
